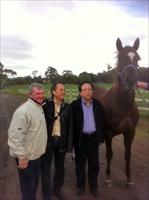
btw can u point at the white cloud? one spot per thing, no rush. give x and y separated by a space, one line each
79 37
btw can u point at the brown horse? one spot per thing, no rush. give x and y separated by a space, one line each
119 104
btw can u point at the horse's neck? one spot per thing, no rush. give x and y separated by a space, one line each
124 98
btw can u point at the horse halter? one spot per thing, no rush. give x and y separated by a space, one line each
121 76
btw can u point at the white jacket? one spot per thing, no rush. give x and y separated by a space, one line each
27 134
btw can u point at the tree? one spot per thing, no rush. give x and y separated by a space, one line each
109 67
4 75
36 78
34 73
69 78
84 76
67 72
51 74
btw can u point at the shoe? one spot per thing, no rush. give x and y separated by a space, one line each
80 191
95 193
59 194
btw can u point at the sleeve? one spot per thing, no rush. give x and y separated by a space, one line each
70 131
16 135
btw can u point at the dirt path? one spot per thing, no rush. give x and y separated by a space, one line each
9 185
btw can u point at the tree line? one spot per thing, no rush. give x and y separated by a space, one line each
52 75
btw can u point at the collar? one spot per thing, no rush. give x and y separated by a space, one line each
84 102
36 101
57 102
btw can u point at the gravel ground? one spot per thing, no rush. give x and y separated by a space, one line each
9 184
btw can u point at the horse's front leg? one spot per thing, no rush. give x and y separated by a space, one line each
128 138
109 154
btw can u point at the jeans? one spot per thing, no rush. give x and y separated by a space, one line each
29 179
58 179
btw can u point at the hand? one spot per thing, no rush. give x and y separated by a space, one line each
73 156
23 163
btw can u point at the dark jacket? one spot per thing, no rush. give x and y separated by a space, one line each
99 116
66 139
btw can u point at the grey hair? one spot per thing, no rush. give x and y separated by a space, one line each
34 85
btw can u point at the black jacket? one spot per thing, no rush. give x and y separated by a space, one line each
99 116
66 139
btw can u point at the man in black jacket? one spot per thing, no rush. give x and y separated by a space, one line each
60 139
88 120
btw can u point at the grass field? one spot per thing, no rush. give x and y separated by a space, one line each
142 130
72 92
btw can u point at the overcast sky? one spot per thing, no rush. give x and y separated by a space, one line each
70 35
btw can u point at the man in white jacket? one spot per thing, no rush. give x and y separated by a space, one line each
27 139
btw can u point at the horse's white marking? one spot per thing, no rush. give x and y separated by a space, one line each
131 55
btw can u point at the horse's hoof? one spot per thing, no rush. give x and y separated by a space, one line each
109 182
129 183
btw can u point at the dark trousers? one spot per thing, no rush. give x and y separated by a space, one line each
58 180
88 151
29 179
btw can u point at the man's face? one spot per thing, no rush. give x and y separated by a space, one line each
86 91
37 94
59 92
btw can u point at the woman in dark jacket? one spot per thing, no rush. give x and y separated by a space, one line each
60 140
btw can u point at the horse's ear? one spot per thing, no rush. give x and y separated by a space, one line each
136 44
119 44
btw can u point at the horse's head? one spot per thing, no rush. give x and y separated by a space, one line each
127 63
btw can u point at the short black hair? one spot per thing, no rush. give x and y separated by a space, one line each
54 85
84 82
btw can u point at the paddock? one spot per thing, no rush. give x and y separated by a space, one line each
9 183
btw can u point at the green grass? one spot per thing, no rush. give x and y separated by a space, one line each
72 92
142 104
144 114
22 89
105 85
144 93
142 130
17 89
